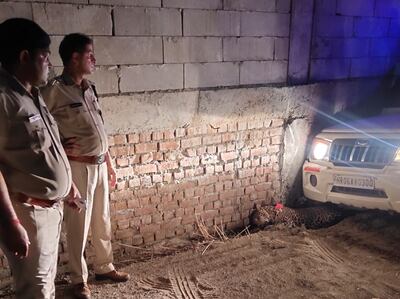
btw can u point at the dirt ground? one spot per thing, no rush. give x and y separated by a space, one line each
357 258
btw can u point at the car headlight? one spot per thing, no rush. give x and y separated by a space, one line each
397 157
320 149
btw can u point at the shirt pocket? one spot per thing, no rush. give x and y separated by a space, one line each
29 134
77 115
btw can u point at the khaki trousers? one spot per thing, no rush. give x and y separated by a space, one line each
34 275
92 183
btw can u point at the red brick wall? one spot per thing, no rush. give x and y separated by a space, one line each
166 179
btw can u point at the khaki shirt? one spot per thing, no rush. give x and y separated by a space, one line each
78 114
32 159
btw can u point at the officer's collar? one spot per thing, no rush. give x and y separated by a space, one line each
16 85
66 78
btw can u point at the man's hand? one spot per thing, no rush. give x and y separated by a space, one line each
74 198
15 239
70 145
112 176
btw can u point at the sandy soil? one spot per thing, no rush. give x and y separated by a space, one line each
357 258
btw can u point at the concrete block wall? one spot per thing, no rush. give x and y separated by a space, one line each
353 39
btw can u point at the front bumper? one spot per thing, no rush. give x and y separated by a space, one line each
384 196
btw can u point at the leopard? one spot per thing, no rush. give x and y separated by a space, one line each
310 217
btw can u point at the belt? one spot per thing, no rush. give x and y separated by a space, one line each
44 203
100 159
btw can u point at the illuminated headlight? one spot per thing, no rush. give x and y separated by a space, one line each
397 157
320 149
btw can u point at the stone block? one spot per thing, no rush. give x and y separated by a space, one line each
340 48
264 24
192 49
355 7
128 50
106 80
147 21
151 77
263 72
66 18
250 5
283 6
394 28
145 3
203 4
369 67
15 10
300 40
329 69
248 48
385 47
334 26
371 27
211 74
325 7
387 8
211 23
281 51
55 44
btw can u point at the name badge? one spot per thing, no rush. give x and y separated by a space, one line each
34 118
75 105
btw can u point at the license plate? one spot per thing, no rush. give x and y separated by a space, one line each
361 182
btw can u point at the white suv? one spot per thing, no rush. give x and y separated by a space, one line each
356 164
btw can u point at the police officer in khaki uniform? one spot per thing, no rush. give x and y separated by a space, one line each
34 170
73 102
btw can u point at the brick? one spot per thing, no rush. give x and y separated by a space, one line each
262 72
387 8
278 122
179 175
340 48
371 27
128 50
369 67
122 162
169 145
192 161
212 149
207 180
156 136
145 136
277 131
334 26
258 152
245 173
248 48
281 47
169 134
211 139
329 69
133 138
204 4
226 211
191 142
193 131
149 3
211 74
180 132
148 168
254 5
151 77
151 228
355 7
264 24
211 23
15 10
65 18
229 156
148 21
192 49
145 147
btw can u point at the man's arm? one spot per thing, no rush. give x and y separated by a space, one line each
13 234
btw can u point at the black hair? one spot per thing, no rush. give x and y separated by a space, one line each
17 35
71 43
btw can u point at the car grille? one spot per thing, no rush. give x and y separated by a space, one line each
365 153
359 192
